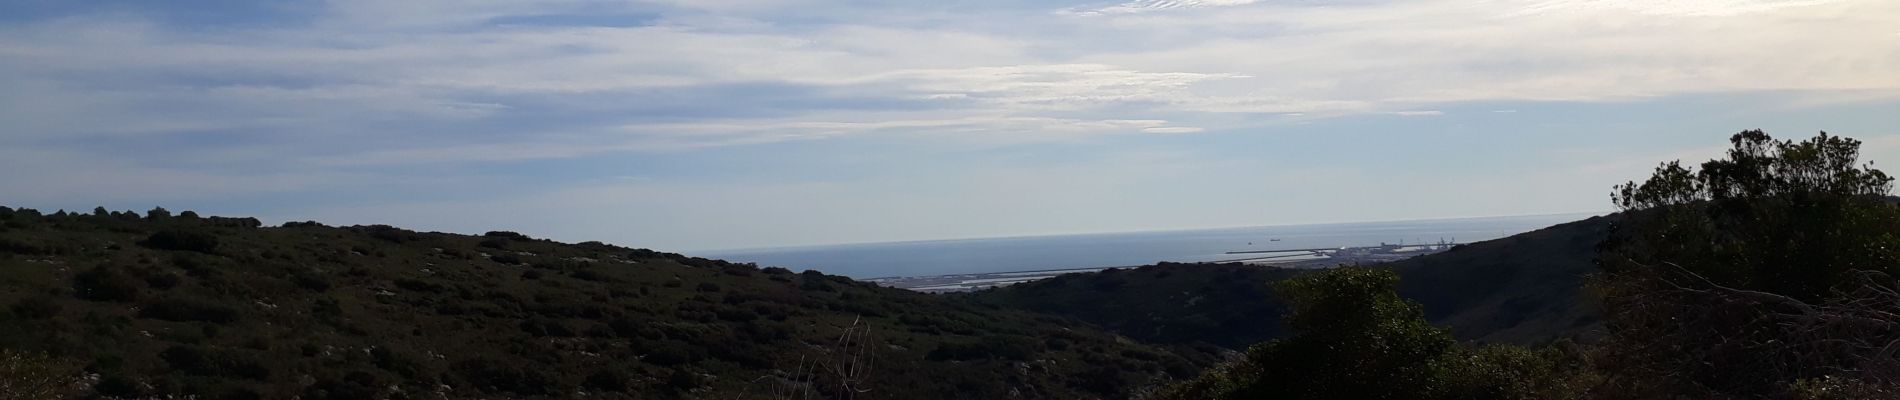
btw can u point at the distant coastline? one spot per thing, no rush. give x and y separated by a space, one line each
1103 250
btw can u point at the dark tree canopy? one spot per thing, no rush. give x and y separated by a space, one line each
1758 167
1754 274
1780 216
1358 339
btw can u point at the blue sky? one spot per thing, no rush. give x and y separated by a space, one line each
711 124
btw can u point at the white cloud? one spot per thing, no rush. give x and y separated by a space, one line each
1138 6
1048 86
997 129
1674 7
1428 52
1172 129
424 71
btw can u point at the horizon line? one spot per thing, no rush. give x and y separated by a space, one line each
738 250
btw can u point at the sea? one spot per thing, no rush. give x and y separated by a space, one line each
1101 250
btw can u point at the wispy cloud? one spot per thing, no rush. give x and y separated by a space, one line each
402 74
1172 129
1138 6
306 96
1674 7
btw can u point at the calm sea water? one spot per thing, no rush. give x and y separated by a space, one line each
963 256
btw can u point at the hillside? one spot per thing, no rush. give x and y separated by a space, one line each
1518 289
1523 289
222 308
1227 305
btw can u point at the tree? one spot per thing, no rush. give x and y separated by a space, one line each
1357 340
1763 269
1785 217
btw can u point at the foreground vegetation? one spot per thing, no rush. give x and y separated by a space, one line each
1765 274
123 305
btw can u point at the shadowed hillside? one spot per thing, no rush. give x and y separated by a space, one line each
1523 289
1519 289
221 308
1227 305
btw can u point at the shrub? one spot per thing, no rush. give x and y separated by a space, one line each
17 246
588 275
672 353
683 380
419 286
1005 347
546 328
397 362
35 308
310 281
815 281
163 280
607 380
178 309
105 284
200 361
499 376
181 240
739 269
388 234
354 385
246 222
117 386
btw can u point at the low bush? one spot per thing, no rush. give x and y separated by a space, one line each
35 308
222 363
419 286
1005 347
607 380
505 376
182 240
17 246
106 284
178 309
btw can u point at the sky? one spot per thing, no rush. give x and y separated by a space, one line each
718 124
